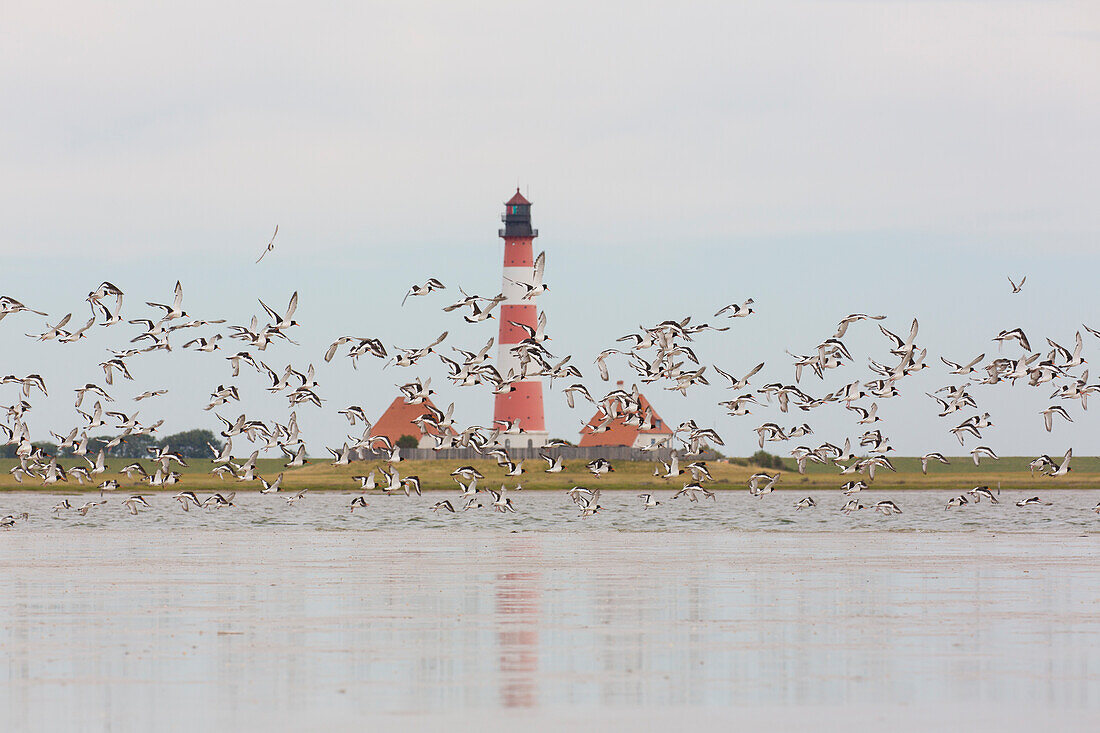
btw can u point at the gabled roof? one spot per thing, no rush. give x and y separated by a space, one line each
398 418
517 199
618 432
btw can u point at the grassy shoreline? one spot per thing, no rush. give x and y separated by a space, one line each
960 475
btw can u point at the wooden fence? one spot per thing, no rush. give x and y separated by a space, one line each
569 453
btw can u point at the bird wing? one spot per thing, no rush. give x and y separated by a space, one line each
540 266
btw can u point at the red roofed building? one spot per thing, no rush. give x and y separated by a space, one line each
619 433
398 419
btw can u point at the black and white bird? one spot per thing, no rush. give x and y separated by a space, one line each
1063 468
1017 287
590 504
842 327
535 287
285 321
762 483
1049 414
735 310
134 502
805 503
8 521
1033 501
445 504
366 483
88 506
886 508
648 502
852 505
501 503
959 500
739 383
978 492
934 456
174 311
273 487
599 467
360 502
554 464
186 498
432 284
853 487
982 451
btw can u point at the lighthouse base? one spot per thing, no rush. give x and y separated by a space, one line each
523 440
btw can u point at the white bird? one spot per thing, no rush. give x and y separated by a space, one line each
150 394
648 502
270 247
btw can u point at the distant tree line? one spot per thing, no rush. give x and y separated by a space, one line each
762 459
189 444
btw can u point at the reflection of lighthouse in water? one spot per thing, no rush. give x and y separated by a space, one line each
517 614
523 405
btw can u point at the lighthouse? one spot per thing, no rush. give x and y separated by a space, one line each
523 405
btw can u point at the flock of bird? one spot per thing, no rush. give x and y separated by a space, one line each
662 354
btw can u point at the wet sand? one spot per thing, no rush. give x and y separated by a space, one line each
298 629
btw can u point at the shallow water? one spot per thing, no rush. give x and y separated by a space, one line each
251 619
922 510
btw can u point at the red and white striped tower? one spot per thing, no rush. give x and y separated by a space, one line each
524 404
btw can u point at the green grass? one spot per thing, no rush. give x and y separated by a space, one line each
961 474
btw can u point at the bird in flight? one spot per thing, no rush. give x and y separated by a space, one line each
1017 287
270 245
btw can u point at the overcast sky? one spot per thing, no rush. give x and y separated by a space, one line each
820 157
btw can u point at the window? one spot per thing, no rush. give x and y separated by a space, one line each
530 443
